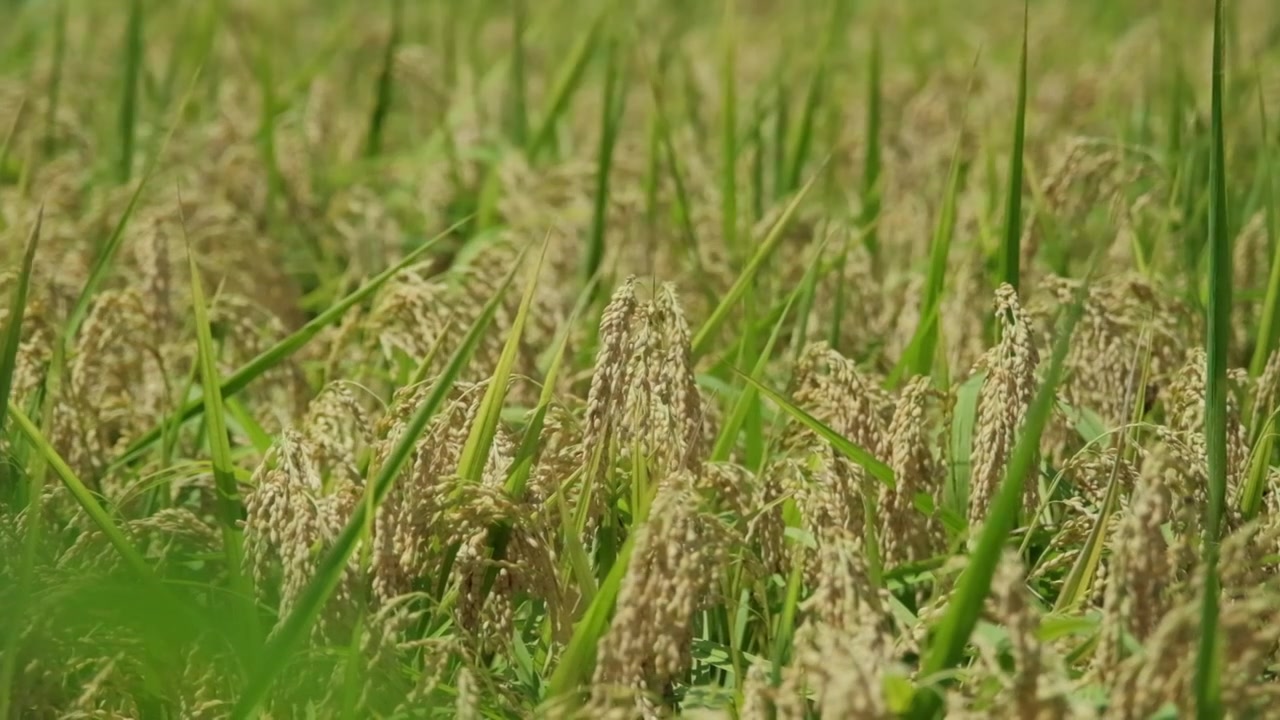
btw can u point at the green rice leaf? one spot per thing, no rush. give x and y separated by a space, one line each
1011 248
1206 684
230 508
707 333
13 324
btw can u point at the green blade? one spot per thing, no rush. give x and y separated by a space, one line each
1011 249
13 328
1207 686
707 333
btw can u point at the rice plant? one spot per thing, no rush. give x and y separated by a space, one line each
742 359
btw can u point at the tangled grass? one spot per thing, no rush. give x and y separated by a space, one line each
751 360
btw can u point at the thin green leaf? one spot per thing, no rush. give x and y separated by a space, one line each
737 417
519 118
614 102
129 95
706 334
1269 326
13 326
230 509
566 85
1218 341
579 656
729 133
871 166
386 84
479 441
1076 588
1011 250
940 250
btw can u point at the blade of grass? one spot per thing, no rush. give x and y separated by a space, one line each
940 248
475 451
579 656
871 167
230 509
812 101
568 80
706 334
1259 468
332 565
1011 249
615 97
952 632
13 329
386 83
274 355
1269 326
1206 684
737 417
729 134
684 206
129 94
519 119
526 455
55 78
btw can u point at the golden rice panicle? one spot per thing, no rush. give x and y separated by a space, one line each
467 704
287 515
1185 409
843 646
1033 691
1005 396
1087 175
406 523
643 394
1178 467
662 410
336 428
116 384
906 534
608 381
843 595
831 388
1139 574
410 313
1162 673
527 568
1267 391
1123 319
679 553
828 487
1248 559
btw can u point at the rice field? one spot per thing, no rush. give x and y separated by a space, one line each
739 359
